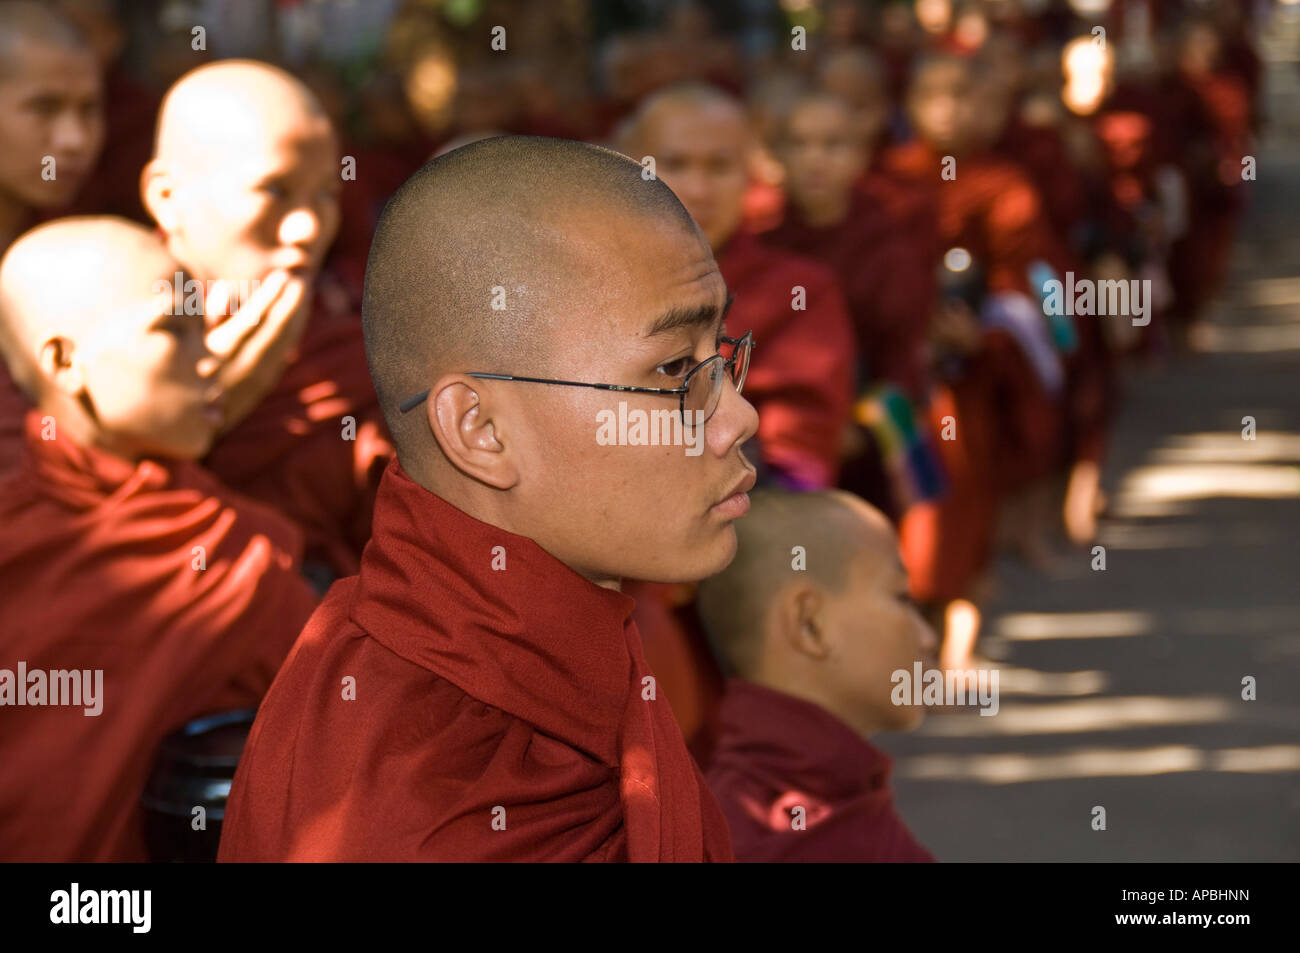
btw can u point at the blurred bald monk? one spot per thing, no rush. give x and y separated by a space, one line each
801 379
811 638
244 185
52 127
164 594
875 231
479 692
856 78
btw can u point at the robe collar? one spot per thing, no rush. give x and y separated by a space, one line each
82 477
496 615
789 741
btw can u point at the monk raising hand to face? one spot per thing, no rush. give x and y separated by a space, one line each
244 185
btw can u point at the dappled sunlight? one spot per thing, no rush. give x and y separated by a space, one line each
1097 763
1093 714
1033 626
1159 490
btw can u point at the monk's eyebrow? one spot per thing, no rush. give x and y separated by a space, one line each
679 317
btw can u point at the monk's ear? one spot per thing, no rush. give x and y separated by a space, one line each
803 621
470 430
60 368
158 192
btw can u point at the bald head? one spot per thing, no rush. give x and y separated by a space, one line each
60 279
219 109
855 75
86 308
51 111
246 173
482 254
24 24
700 139
841 538
692 97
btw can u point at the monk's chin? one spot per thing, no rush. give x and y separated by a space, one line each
725 551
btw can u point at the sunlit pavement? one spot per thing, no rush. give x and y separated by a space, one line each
1122 688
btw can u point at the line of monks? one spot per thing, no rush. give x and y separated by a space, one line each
475 633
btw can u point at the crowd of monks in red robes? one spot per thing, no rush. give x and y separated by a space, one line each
885 233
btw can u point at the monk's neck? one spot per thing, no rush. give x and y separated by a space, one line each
74 424
490 510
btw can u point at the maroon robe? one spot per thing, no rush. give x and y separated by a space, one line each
499 713
883 254
776 753
185 595
801 378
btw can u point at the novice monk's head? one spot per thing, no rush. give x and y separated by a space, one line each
51 107
816 605
939 102
700 140
553 259
824 154
245 175
86 325
857 78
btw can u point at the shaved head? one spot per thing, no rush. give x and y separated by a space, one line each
700 139
51 112
690 95
855 75
835 530
245 175
89 331
60 279
558 262
24 24
218 109
816 605
481 254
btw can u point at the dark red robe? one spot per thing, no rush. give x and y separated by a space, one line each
883 254
291 451
498 714
801 378
13 411
776 753
98 557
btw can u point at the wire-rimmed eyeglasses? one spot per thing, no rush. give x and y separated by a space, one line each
701 389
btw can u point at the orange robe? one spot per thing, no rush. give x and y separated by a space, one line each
801 378
99 560
467 697
292 451
993 211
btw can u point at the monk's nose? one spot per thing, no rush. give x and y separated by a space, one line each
734 422
70 133
929 641
301 227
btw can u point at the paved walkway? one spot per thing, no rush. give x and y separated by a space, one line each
1123 688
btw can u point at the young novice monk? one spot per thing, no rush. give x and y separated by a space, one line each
52 127
138 592
479 692
812 651
244 185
